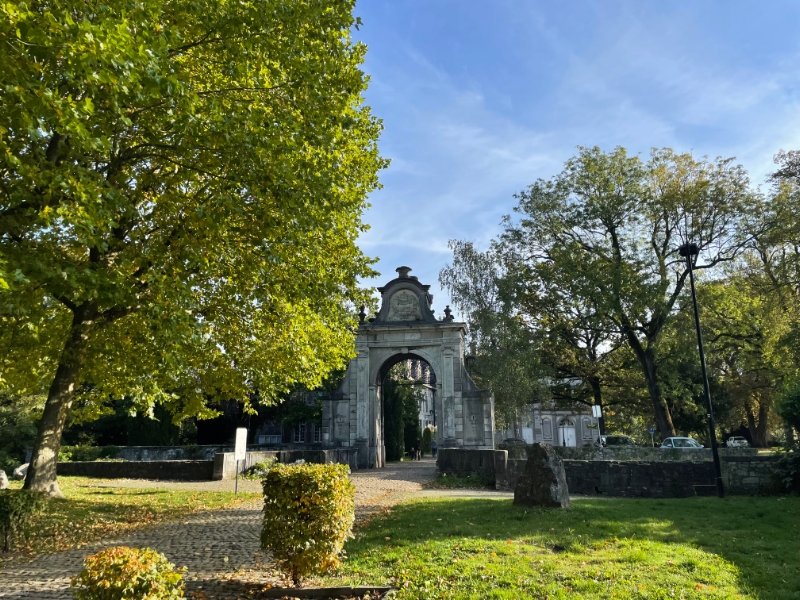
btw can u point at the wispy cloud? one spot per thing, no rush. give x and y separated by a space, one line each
479 103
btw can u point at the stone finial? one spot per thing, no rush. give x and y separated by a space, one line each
403 272
362 314
448 314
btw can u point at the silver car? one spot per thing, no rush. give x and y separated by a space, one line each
737 441
684 443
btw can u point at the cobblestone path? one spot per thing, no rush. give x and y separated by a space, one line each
220 548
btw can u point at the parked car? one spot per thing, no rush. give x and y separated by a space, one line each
615 440
515 442
681 442
737 441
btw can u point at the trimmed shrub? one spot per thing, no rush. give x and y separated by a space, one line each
16 509
427 436
308 515
122 573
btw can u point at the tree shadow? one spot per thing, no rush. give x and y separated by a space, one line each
759 536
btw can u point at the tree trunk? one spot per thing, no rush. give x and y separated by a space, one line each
41 476
597 394
757 426
647 360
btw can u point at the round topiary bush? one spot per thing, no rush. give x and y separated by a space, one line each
309 511
122 573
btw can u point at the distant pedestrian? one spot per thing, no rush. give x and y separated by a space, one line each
419 451
433 448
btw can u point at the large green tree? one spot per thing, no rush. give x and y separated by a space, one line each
181 188
608 229
504 340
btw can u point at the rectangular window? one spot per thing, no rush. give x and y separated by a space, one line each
300 433
268 439
316 432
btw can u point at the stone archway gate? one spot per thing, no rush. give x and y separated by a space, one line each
405 327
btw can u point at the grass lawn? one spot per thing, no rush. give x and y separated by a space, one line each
91 512
740 547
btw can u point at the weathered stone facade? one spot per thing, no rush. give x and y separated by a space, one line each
406 328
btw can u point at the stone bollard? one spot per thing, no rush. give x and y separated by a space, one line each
3 480
544 482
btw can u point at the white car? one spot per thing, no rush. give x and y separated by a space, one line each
683 443
737 441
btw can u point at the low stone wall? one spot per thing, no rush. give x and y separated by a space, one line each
644 454
749 474
632 478
148 453
180 470
457 461
225 465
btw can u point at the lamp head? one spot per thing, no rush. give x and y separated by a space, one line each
688 250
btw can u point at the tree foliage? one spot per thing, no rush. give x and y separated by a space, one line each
502 337
608 228
181 188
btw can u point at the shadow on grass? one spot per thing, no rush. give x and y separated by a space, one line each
759 536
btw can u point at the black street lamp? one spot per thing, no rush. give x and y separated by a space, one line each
687 251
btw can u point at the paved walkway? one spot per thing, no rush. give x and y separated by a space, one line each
220 548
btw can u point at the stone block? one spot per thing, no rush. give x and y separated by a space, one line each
544 482
3 480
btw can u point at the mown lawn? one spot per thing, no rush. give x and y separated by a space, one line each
738 547
92 510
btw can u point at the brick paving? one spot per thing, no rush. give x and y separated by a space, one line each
220 548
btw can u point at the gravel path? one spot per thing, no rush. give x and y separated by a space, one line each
220 548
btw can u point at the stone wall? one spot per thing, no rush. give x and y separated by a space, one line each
181 470
457 461
640 453
225 465
631 478
749 474
147 453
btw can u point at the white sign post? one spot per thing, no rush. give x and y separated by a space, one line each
597 411
239 452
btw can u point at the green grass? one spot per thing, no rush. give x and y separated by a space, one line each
739 547
91 512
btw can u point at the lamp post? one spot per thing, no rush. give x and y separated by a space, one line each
688 251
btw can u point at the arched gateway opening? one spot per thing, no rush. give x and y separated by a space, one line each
405 329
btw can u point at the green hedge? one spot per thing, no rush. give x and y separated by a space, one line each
86 453
122 573
309 511
16 509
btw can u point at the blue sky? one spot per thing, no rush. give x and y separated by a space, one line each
479 99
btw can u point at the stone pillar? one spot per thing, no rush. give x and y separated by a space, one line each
362 405
448 399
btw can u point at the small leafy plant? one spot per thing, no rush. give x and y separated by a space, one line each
16 509
309 511
258 470
123 573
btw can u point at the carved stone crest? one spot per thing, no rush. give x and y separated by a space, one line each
404 306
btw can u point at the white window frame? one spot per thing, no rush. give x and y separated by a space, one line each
299 434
